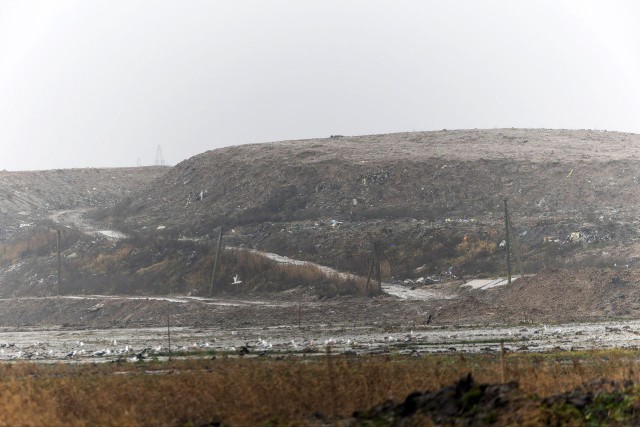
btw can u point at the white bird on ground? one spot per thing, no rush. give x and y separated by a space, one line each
125 349
264 344
236 280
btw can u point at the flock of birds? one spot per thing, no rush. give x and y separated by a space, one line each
78 350
365 343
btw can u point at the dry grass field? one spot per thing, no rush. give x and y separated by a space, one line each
307 391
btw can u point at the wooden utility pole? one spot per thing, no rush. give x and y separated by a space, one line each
502 373
58 250
215 263
376 251
374 266
506 226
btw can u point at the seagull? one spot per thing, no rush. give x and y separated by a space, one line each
264 343
124 350
236 280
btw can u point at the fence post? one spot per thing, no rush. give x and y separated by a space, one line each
169 336
332 384
502 373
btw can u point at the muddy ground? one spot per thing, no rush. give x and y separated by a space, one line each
297 322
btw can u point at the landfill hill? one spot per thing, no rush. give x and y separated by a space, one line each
30 197
434 199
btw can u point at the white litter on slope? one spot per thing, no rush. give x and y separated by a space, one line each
420 294
112 234
489 283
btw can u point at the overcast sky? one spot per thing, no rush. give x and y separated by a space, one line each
103 83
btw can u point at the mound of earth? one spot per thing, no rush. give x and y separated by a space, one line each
464 403
434 175
573 197
468 403
553 296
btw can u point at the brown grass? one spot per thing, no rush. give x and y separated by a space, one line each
470 248
107 261
258 273
39 242
257 391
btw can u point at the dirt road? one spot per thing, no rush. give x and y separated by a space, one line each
76 218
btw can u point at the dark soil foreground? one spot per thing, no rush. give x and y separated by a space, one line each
134 312
468 403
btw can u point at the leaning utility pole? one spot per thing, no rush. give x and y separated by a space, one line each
506 226
371 264
215 263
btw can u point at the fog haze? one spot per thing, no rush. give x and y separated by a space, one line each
102 83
